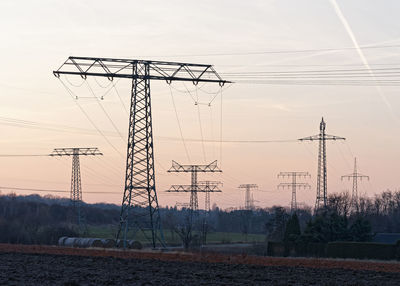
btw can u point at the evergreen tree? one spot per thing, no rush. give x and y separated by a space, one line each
292 231
360 230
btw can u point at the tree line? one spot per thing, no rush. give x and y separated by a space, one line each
38 219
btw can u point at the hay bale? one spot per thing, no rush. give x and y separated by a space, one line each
61 240
108 243
70 241
134 244
96 242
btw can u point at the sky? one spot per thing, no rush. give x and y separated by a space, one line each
37 114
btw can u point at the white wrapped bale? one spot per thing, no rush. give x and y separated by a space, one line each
61 240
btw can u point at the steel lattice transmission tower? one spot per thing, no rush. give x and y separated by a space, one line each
195 186
140 196
210 186
248 202
322 187
294 185
76 183
355 176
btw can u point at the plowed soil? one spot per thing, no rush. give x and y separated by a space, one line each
46 265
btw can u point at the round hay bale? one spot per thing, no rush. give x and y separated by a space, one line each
96 242
108 243
70 241
134 244
61 240
84 242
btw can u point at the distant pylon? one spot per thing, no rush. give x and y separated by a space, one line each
355 176
76 182
195 186
322 186
209 186
293 185
248 202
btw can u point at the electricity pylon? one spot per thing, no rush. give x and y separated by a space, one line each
355 176
195 187
248 199
76 184
294 185
322 177
210 185
140 196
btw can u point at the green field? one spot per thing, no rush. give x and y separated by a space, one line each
173 238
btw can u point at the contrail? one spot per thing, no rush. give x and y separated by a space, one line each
362 56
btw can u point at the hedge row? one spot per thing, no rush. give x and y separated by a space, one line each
358 250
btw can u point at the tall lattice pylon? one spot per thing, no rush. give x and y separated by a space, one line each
322 176
355 176
139 202
294 185
76 182
248 199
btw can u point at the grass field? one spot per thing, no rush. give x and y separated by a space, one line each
173 238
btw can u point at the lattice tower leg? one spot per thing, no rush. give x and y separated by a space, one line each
139 203
293 206
76 186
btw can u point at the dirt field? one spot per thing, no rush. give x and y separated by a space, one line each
30 265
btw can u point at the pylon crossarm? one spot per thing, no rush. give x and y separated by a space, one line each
318 137
245 186
355 175
210 183
333 137
92 151
310 138
122 68
212 167
290 185
291 174
189 188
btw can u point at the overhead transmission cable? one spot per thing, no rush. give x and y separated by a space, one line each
120 99
89 119
179 125
356 77
52 190
105 112
284 51
201 128
24 155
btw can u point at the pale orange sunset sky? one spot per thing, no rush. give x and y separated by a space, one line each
37 114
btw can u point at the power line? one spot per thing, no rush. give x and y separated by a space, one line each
48 190
179 124
104 111
24 155
229 141
284 51
89 119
